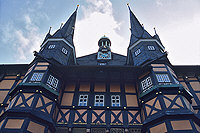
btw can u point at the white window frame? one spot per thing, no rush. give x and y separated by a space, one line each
64 50
52 82
36 77
137 52
83 99
163 78
146 83
151 47
99 100
52 46
115 101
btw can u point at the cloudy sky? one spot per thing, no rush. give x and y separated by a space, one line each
24 24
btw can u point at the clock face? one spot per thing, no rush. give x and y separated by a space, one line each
104 55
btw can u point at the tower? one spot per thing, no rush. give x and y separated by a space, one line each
104 52
59 47
33 102
143 48
166 104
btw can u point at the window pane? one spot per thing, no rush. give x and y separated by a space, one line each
162 78
115 100
83 100
52 82
146 83
37 77
99 100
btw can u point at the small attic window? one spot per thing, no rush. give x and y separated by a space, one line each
137 52
64 50
151 48
51 46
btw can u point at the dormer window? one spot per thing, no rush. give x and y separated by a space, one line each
137 52
51 46
64 50
151 48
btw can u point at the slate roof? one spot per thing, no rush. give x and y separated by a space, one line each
91 59
67 31
137 30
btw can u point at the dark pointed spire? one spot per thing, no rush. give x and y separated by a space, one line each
61 25
49 30
156 35
67 30
48 35
137 30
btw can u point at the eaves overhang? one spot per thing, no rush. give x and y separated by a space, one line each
60 39
147 40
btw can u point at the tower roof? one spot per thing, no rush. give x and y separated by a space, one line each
67 31
137 30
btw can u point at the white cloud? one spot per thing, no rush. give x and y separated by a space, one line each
23 34
6 31
98 21
182 40
24 40
159 2
27 41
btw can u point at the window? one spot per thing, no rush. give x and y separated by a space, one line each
162 78
52 82
115 100
51 46
146 83
83 100
64 50
99 100
137 52
37 77
151 47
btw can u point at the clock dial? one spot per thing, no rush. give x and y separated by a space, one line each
105 55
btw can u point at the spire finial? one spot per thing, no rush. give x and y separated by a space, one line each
61 25
155 30
143 25
49 29
128 6
77 7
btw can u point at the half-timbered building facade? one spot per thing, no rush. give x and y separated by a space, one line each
101 92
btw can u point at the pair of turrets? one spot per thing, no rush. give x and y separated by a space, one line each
138 36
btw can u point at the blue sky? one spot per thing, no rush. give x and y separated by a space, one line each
24 24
